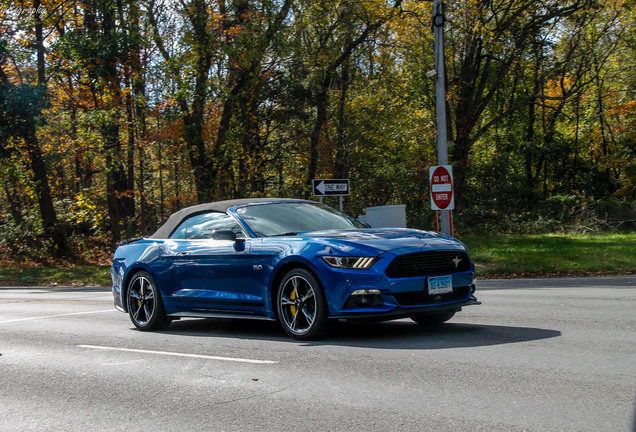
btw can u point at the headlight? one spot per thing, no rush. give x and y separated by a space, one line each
350 262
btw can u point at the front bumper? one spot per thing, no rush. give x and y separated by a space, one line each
371 293
397 285
401 312
389 304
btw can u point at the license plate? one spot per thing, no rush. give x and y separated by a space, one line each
440 285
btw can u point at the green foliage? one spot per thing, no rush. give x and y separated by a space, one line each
19 106
83 214
23 237
89 52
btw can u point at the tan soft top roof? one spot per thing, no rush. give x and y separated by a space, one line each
175 219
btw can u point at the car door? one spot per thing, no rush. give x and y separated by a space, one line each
211 274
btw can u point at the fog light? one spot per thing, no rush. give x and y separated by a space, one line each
364 298
362 301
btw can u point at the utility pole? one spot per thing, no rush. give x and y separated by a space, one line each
440 95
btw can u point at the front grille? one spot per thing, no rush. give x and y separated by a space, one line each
427 264
423 298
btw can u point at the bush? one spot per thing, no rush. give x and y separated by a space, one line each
561 213
23 237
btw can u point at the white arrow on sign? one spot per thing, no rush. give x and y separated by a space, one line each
321 187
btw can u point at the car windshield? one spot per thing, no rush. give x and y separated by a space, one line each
277 219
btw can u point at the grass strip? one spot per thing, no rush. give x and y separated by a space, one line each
553 254
47 275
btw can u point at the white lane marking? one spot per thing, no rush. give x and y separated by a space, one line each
55 316
176 354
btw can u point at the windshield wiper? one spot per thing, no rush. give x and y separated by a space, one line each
291 233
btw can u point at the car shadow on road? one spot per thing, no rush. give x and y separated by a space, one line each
406 335
400 334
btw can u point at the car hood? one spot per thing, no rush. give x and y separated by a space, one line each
386 239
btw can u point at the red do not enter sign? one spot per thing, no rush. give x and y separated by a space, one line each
442 193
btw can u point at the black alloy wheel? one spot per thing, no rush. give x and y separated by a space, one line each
144 305
302 309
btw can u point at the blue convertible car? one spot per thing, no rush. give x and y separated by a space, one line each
298 262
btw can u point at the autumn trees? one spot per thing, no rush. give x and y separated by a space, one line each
21 103
117 112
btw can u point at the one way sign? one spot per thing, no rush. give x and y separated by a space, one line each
330 187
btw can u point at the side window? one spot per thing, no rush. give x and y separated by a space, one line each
202 226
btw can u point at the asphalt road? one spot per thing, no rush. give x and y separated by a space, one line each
537 355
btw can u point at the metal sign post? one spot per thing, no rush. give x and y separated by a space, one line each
440 95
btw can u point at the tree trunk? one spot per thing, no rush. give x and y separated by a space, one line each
120 196
52 227
50 223
342 164
321 119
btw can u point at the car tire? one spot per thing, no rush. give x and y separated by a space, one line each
301 306
143 301
433 318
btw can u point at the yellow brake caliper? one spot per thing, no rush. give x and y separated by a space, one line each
292 297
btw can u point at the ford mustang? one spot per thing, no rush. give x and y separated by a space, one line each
299 262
